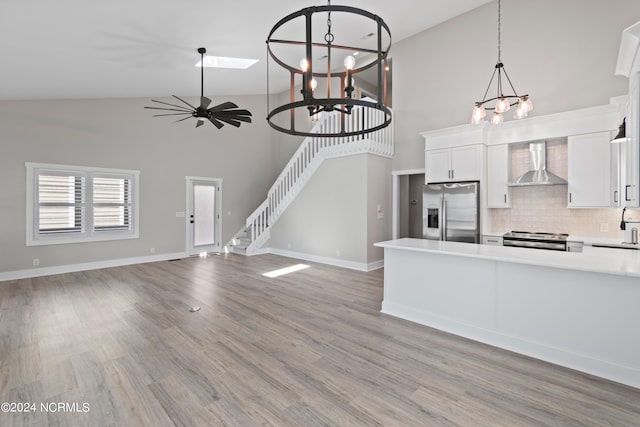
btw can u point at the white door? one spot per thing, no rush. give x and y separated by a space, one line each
203 215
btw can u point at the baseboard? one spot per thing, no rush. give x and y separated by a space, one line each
71 268
337 262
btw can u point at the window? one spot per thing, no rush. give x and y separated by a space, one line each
67 204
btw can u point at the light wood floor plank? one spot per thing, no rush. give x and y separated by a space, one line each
306 349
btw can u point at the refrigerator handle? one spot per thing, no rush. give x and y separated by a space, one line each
443 226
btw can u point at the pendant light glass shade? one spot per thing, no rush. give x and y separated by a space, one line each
478 114
497 119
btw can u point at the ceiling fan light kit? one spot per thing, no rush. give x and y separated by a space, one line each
227 112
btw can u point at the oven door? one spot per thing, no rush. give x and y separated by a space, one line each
534 244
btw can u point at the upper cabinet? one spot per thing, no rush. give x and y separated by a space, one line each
454 154
498 175
454 164
629 66
589 170
630 153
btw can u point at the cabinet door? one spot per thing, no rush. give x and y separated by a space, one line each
589 170
438 165
498 167
630 189
466 163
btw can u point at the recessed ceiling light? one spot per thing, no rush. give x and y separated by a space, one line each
227 62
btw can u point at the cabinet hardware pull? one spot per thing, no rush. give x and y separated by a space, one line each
626 193
569 197
505 198
615 196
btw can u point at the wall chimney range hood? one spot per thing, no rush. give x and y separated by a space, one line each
537 173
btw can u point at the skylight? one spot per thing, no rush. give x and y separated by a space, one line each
227 62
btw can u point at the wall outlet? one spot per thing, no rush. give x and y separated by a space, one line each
604 227
338 254
180 214
36 262
152 250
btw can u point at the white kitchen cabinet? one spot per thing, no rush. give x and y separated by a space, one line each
630 158
574 246
498 170
454 164
589 170
629 66
492 240
438 165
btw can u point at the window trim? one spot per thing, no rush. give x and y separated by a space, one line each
34 238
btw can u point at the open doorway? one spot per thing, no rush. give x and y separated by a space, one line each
407 203
203 215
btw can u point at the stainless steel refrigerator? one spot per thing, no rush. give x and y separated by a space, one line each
451 211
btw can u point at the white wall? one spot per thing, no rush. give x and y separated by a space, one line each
562 53
334 218
119 133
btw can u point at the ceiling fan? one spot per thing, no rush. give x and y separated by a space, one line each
227 112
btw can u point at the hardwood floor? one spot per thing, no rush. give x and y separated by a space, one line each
120 347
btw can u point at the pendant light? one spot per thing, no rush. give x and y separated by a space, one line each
317 46
622 133
501 103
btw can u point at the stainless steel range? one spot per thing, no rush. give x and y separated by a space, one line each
524 239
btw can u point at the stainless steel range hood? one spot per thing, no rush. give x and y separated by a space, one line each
537 173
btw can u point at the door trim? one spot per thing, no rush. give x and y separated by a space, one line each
190 180
395 196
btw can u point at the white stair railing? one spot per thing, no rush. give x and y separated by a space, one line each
306 160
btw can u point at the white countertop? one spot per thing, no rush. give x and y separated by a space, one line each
598 260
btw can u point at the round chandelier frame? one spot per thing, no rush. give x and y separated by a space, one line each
304 76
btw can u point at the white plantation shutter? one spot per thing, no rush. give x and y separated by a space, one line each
61 206
111 203
67 204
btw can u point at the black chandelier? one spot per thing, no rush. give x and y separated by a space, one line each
502 102
310 58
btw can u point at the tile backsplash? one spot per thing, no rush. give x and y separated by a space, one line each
544 208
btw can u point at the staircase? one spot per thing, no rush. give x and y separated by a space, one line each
304 162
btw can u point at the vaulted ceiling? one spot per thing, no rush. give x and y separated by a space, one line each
142 48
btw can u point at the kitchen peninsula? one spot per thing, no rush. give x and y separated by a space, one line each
579 310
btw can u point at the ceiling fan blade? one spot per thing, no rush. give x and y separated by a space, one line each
185 111
172 105
204 102
182 120
233 117
184 102
229 120
223 106
216 123
172 114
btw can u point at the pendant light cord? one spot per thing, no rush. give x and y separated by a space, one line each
499 31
